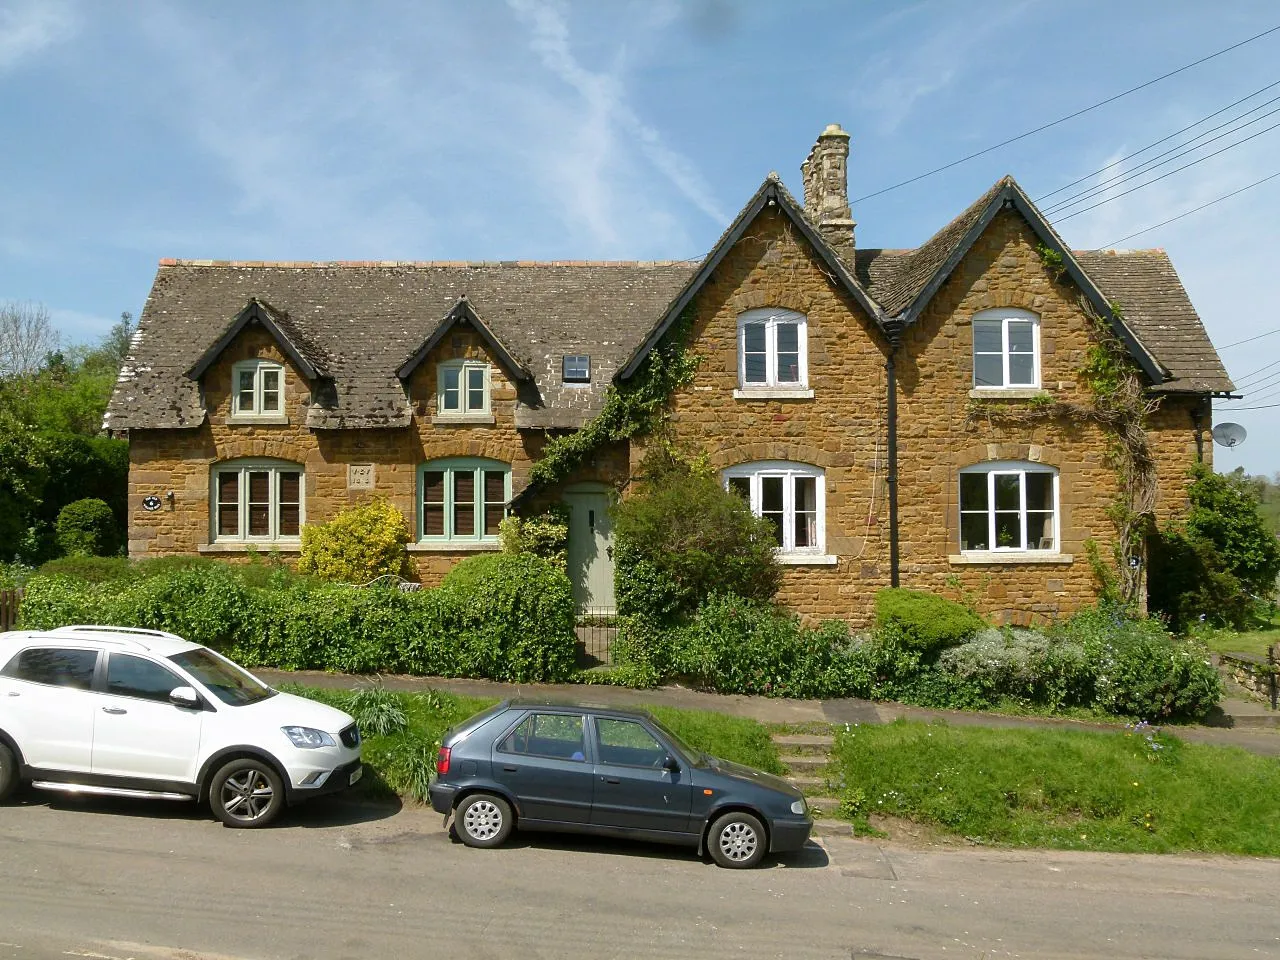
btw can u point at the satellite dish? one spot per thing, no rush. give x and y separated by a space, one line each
1229 434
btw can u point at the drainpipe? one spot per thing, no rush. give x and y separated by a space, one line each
891 477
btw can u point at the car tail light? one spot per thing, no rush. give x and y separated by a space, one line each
442 761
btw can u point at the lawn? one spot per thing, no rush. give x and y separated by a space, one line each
1253 641
402 734
1141 791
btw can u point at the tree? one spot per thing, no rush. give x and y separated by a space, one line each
26 337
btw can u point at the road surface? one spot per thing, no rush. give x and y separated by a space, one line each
110 879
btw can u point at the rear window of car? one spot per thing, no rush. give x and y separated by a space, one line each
557 735
222 678
54 667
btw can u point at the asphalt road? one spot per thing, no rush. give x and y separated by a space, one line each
106 879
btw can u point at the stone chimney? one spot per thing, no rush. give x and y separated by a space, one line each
826 190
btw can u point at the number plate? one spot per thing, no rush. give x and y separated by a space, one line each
356 774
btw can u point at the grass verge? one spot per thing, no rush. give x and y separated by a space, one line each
1250 641
1142 791
402 734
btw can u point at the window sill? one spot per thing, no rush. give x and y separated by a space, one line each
456 546
773 393
463 419
267 420
1007 393
247 546
1011 558
806 559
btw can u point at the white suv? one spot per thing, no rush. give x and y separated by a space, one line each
140 713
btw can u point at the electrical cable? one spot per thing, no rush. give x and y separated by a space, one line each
1209 156
1157 143
1147 166
1070 116
1225 196
1269 333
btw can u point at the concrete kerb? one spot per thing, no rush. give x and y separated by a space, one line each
1259 740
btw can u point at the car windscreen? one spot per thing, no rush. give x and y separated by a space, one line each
222 678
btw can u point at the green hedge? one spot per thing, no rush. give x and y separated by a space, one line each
926 622
510 620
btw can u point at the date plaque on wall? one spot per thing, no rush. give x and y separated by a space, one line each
360 476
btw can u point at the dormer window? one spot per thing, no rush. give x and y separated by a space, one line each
463 388
576 368
257 389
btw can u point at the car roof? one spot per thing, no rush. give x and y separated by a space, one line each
135 639
570 706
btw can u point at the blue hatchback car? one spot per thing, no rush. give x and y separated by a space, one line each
588 769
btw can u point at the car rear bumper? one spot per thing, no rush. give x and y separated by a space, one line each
442 795
337 780
787 835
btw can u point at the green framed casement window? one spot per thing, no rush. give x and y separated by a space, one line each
257 500
257 389
462 388
462 499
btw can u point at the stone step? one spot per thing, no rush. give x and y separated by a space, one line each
807 743
807 785
823 806
805 763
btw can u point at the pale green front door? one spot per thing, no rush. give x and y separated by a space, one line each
590 549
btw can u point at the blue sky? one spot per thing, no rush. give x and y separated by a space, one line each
602 130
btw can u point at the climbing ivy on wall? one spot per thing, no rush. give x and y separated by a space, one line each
633 408
1120 405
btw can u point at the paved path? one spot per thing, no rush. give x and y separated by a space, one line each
1234 731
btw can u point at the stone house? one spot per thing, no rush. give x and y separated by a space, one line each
902 416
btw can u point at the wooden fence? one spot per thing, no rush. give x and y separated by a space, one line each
10 601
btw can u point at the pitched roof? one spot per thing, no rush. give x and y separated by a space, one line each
365 318
463 312
297 346
771 192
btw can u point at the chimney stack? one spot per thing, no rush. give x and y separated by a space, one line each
826 190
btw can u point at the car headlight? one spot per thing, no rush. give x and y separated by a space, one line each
799 808
308 738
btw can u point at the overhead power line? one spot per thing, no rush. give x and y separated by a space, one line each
1253 373
1269 406
1162 223
1173 153
1269 333
1190 126
1170 173
1070 116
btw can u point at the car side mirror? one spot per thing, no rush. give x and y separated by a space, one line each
184 697
670 763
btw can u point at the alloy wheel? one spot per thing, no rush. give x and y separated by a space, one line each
247 795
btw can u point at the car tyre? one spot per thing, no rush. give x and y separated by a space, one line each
737 840
483 820
9 775
246 793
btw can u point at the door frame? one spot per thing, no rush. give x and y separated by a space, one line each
610 493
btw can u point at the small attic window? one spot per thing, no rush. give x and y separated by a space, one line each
576 368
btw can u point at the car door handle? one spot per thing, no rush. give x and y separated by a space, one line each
610 779
114 710
510 769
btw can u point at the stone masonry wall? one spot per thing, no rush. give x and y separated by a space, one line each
841 429
180 460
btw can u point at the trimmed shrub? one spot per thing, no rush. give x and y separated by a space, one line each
683 537
358 545
545 535
88 528
926 622
1023 665
513 616
89 569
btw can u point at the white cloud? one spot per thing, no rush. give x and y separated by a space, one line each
77 326
593 158
27 28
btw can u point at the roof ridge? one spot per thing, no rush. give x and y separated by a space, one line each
317 264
